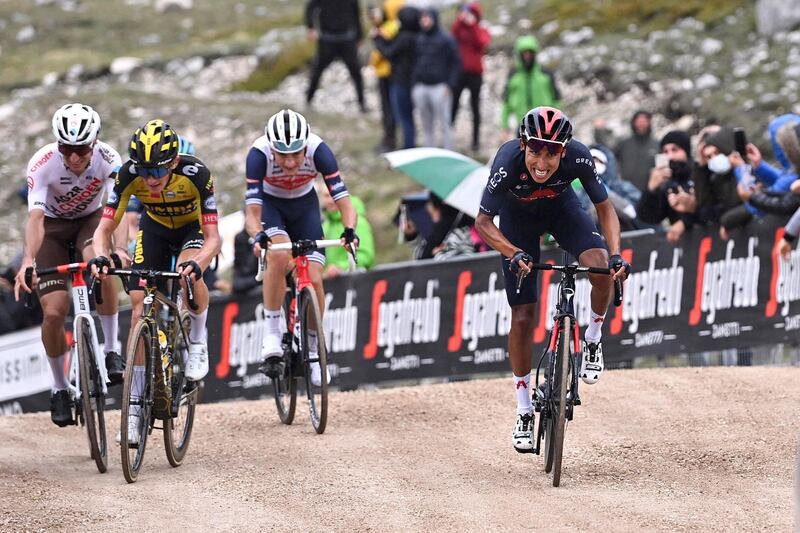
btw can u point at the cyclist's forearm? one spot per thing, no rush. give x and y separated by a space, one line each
493 236
607 217
349 217
252 221
101 240
211 247
34 235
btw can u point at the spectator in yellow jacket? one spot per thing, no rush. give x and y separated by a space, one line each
385 20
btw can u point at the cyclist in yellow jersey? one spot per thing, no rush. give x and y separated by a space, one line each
180 216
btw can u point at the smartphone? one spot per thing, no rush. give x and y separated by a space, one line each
662 160
740 142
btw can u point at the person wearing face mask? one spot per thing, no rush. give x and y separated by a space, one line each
669 197
715 184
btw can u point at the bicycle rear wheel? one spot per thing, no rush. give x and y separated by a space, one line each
141 343
284 387
311 326
178 429
559 419
92 396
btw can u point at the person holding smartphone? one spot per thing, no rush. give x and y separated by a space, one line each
670 196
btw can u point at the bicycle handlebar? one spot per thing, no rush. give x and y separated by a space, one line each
571 270
301 247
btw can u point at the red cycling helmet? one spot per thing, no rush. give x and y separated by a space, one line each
546 124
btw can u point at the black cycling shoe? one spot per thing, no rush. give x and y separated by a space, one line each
61 408
272 367
115 366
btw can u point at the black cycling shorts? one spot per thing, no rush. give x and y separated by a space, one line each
299 218
158 247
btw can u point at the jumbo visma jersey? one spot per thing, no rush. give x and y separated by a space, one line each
187 197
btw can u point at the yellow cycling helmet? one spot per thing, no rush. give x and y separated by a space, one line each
154 145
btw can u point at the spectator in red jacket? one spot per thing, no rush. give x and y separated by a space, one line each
472 39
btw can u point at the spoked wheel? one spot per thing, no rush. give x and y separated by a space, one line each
140 344
92 397
178 429
314 352
284 387
562 378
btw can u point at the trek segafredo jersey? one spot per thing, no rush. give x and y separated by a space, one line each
60 193
265 175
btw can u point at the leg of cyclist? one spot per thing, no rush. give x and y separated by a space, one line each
316 265
575 231
274 290
55 306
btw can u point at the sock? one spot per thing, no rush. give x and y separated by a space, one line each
137 388
595 330
522 384
312 342
197 331
109 324
57 369
272 321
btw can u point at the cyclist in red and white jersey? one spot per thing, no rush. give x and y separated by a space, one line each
282 206
67 183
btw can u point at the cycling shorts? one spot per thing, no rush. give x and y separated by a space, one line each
158 247
563 218
297 218
58 234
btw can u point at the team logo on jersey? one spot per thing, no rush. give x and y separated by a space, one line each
112 197
190 170
497 177
45 158
65 180
170 194
106 155
210 203
523 176
30 183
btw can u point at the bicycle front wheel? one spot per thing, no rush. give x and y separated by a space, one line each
315 358
178 429
562 376
140 346
92 396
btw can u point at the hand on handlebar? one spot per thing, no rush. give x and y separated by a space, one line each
21 281
619 267
98 266
260 241
520 261
190 268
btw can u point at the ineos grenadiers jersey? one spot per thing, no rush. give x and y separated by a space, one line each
59 192
265 175
510 180
188 196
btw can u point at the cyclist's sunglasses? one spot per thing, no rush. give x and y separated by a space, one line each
537 145
157 173
79 149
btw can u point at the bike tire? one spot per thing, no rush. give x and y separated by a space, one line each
178 429
141 339
311 321
284 387
559 419
92 396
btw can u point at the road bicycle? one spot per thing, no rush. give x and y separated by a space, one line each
303 320
556 397
87 377
160 339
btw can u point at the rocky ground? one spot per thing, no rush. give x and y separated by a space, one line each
708 449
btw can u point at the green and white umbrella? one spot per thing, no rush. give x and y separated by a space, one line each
454 177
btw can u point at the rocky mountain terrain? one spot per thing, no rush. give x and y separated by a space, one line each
181 60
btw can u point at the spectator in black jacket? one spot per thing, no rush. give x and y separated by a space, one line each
450 233
436 74
715 184
245 264
401 51
339 33
670 193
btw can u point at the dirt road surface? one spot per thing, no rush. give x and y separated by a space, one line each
708 449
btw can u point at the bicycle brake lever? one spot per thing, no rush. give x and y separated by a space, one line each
190 293
28 298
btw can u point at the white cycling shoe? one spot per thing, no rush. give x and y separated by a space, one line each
522 436
134 431
592 362
316 375
271 346
197 362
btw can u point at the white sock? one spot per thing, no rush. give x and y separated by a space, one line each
272 321
313 342
522 385
197 331
110 325
57 369
137 388
595 330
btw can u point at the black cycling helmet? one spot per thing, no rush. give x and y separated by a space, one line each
547 124
154 145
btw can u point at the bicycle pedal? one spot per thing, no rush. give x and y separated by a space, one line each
525 451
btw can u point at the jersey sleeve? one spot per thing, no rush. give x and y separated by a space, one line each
326 164
37 193
208 203
592 184
498 183
119 195
255 170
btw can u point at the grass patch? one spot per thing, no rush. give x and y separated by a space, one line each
271 72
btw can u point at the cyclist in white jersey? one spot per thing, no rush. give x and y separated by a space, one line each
282 206
67 183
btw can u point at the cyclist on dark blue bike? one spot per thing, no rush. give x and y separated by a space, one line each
530 188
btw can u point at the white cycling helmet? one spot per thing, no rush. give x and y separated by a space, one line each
76 124
287 131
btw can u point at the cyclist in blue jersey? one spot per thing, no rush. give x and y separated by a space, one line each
530 189
282 206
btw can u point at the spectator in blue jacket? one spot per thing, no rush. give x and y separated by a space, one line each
436 74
